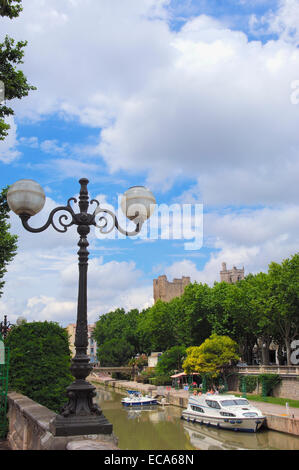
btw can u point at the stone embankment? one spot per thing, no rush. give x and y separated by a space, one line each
278 418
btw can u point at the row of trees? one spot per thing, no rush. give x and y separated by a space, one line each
264 306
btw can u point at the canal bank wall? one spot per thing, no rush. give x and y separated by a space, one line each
277 418
29 429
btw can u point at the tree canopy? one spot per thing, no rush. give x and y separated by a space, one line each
10 8
212 357
8 242
11 56
171 360
284 300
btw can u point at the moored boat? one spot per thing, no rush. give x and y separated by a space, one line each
223 411
137 399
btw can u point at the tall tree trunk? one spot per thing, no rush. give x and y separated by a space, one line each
288 350
265 351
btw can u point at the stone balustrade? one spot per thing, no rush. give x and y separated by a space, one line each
281 370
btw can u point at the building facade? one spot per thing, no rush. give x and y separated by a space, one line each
92 345
153 359
231 275
166 291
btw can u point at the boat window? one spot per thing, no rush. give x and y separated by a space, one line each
225 413
242 402
213 404
227 402
234 402
197 408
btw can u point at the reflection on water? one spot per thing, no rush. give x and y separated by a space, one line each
160 428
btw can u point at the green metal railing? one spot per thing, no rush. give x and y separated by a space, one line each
244 387
4 367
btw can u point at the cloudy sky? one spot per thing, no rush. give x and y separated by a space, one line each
196 99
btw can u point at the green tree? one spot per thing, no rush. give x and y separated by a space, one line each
157 325
214 356
191 320
8 242
10 8
284 300
231 314
115 353
40 363
11 55
171 360
219 313
118 324
258 289
243 318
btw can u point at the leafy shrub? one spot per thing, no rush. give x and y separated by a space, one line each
145 376
40 363
121 376
138 363
251 382
160 380
269 382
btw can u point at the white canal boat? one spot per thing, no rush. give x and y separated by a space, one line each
137 399
224 412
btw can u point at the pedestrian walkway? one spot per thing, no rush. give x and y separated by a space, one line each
281 410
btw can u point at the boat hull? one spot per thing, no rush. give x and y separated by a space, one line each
139 402
234 424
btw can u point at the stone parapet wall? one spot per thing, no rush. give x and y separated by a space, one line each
283 424
288 388
29 429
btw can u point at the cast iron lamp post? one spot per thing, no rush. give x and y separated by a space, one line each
5 327
26 198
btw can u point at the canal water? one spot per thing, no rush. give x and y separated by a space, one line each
160 428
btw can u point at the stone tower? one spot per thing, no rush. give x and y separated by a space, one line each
231 275
165 290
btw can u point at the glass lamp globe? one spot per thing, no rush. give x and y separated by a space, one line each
26 197
138 199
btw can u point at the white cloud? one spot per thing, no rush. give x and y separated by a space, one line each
214 115
8 152
284 22
203 102
249 238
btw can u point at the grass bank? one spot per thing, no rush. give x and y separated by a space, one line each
273 400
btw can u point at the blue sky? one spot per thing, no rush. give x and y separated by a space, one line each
192 99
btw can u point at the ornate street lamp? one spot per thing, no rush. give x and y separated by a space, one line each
26 198
5 327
